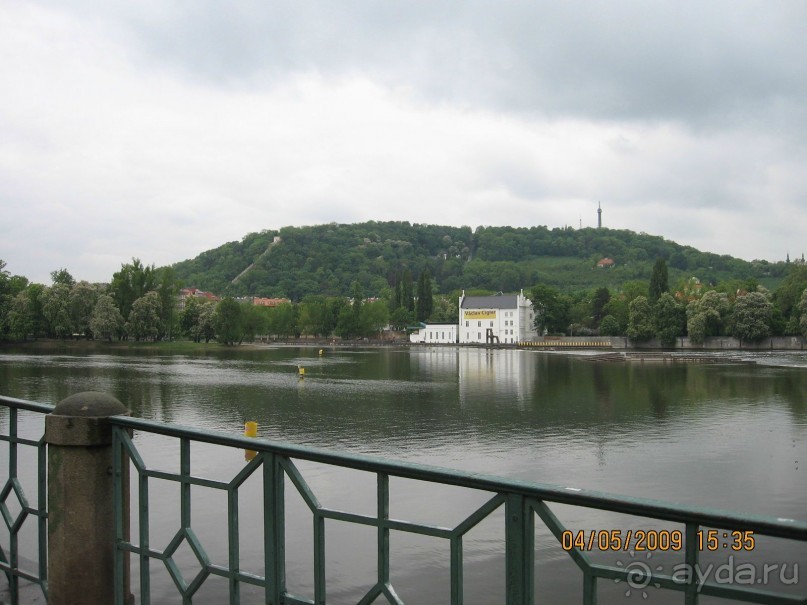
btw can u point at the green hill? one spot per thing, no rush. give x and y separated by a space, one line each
325 259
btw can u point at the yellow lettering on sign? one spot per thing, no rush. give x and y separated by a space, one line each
479 314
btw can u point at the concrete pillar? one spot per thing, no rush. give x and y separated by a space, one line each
81 531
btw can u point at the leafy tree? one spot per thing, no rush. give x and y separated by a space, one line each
659 281
446 309
167 289
601 298
315 317
106 321
706 316
640 320
62 276
283 321
752 316
132 282
228 321
400 318
205 323
787 295
56 310
189 318
407 296
552 309
20 317
375 317
144 319
609 326
82 300
254 320
802 307
425 301
670 319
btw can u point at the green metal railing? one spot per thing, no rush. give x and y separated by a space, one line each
522 503
13 493
277 465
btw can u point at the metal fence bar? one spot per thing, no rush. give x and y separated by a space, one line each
522 503
12 488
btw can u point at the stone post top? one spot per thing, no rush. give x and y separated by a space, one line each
89 404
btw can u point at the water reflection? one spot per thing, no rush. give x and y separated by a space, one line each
724 436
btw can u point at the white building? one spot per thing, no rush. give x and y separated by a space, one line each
435 334
501 319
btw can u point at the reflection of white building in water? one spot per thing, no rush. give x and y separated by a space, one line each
502 319
495 376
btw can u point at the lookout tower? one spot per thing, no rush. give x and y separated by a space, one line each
599 215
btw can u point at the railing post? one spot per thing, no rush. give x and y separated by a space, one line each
81 529
519 550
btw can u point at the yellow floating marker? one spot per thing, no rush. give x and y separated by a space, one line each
301 371
250 430
321 352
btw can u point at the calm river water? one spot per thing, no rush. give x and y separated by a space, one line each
723 435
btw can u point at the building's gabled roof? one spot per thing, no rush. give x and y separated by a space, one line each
504 301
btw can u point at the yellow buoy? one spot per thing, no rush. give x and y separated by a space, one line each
321 352
301 371
250 430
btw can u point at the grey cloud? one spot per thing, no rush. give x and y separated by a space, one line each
700 63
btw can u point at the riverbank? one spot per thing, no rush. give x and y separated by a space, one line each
557 343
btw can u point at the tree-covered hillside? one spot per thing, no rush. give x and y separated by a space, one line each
326 259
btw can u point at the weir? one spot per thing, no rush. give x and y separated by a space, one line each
86 427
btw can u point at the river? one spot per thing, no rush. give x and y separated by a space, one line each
719 435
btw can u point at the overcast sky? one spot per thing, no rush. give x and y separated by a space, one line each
159 129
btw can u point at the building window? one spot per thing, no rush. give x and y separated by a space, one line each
466 323
479 324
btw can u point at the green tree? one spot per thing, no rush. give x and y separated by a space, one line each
254 321
425 300
602 296
659 281
82 300
446 309
62 276
400 319
375 317
228 321
314 316
144 318
670 319
609 326
706 316
640 320
787 295
189 318
407 295
168 289
56 310
205 322
283 321
106 321
20 317
802 308
552 309
752 316
133 281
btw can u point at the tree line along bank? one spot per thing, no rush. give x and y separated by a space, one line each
140 303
